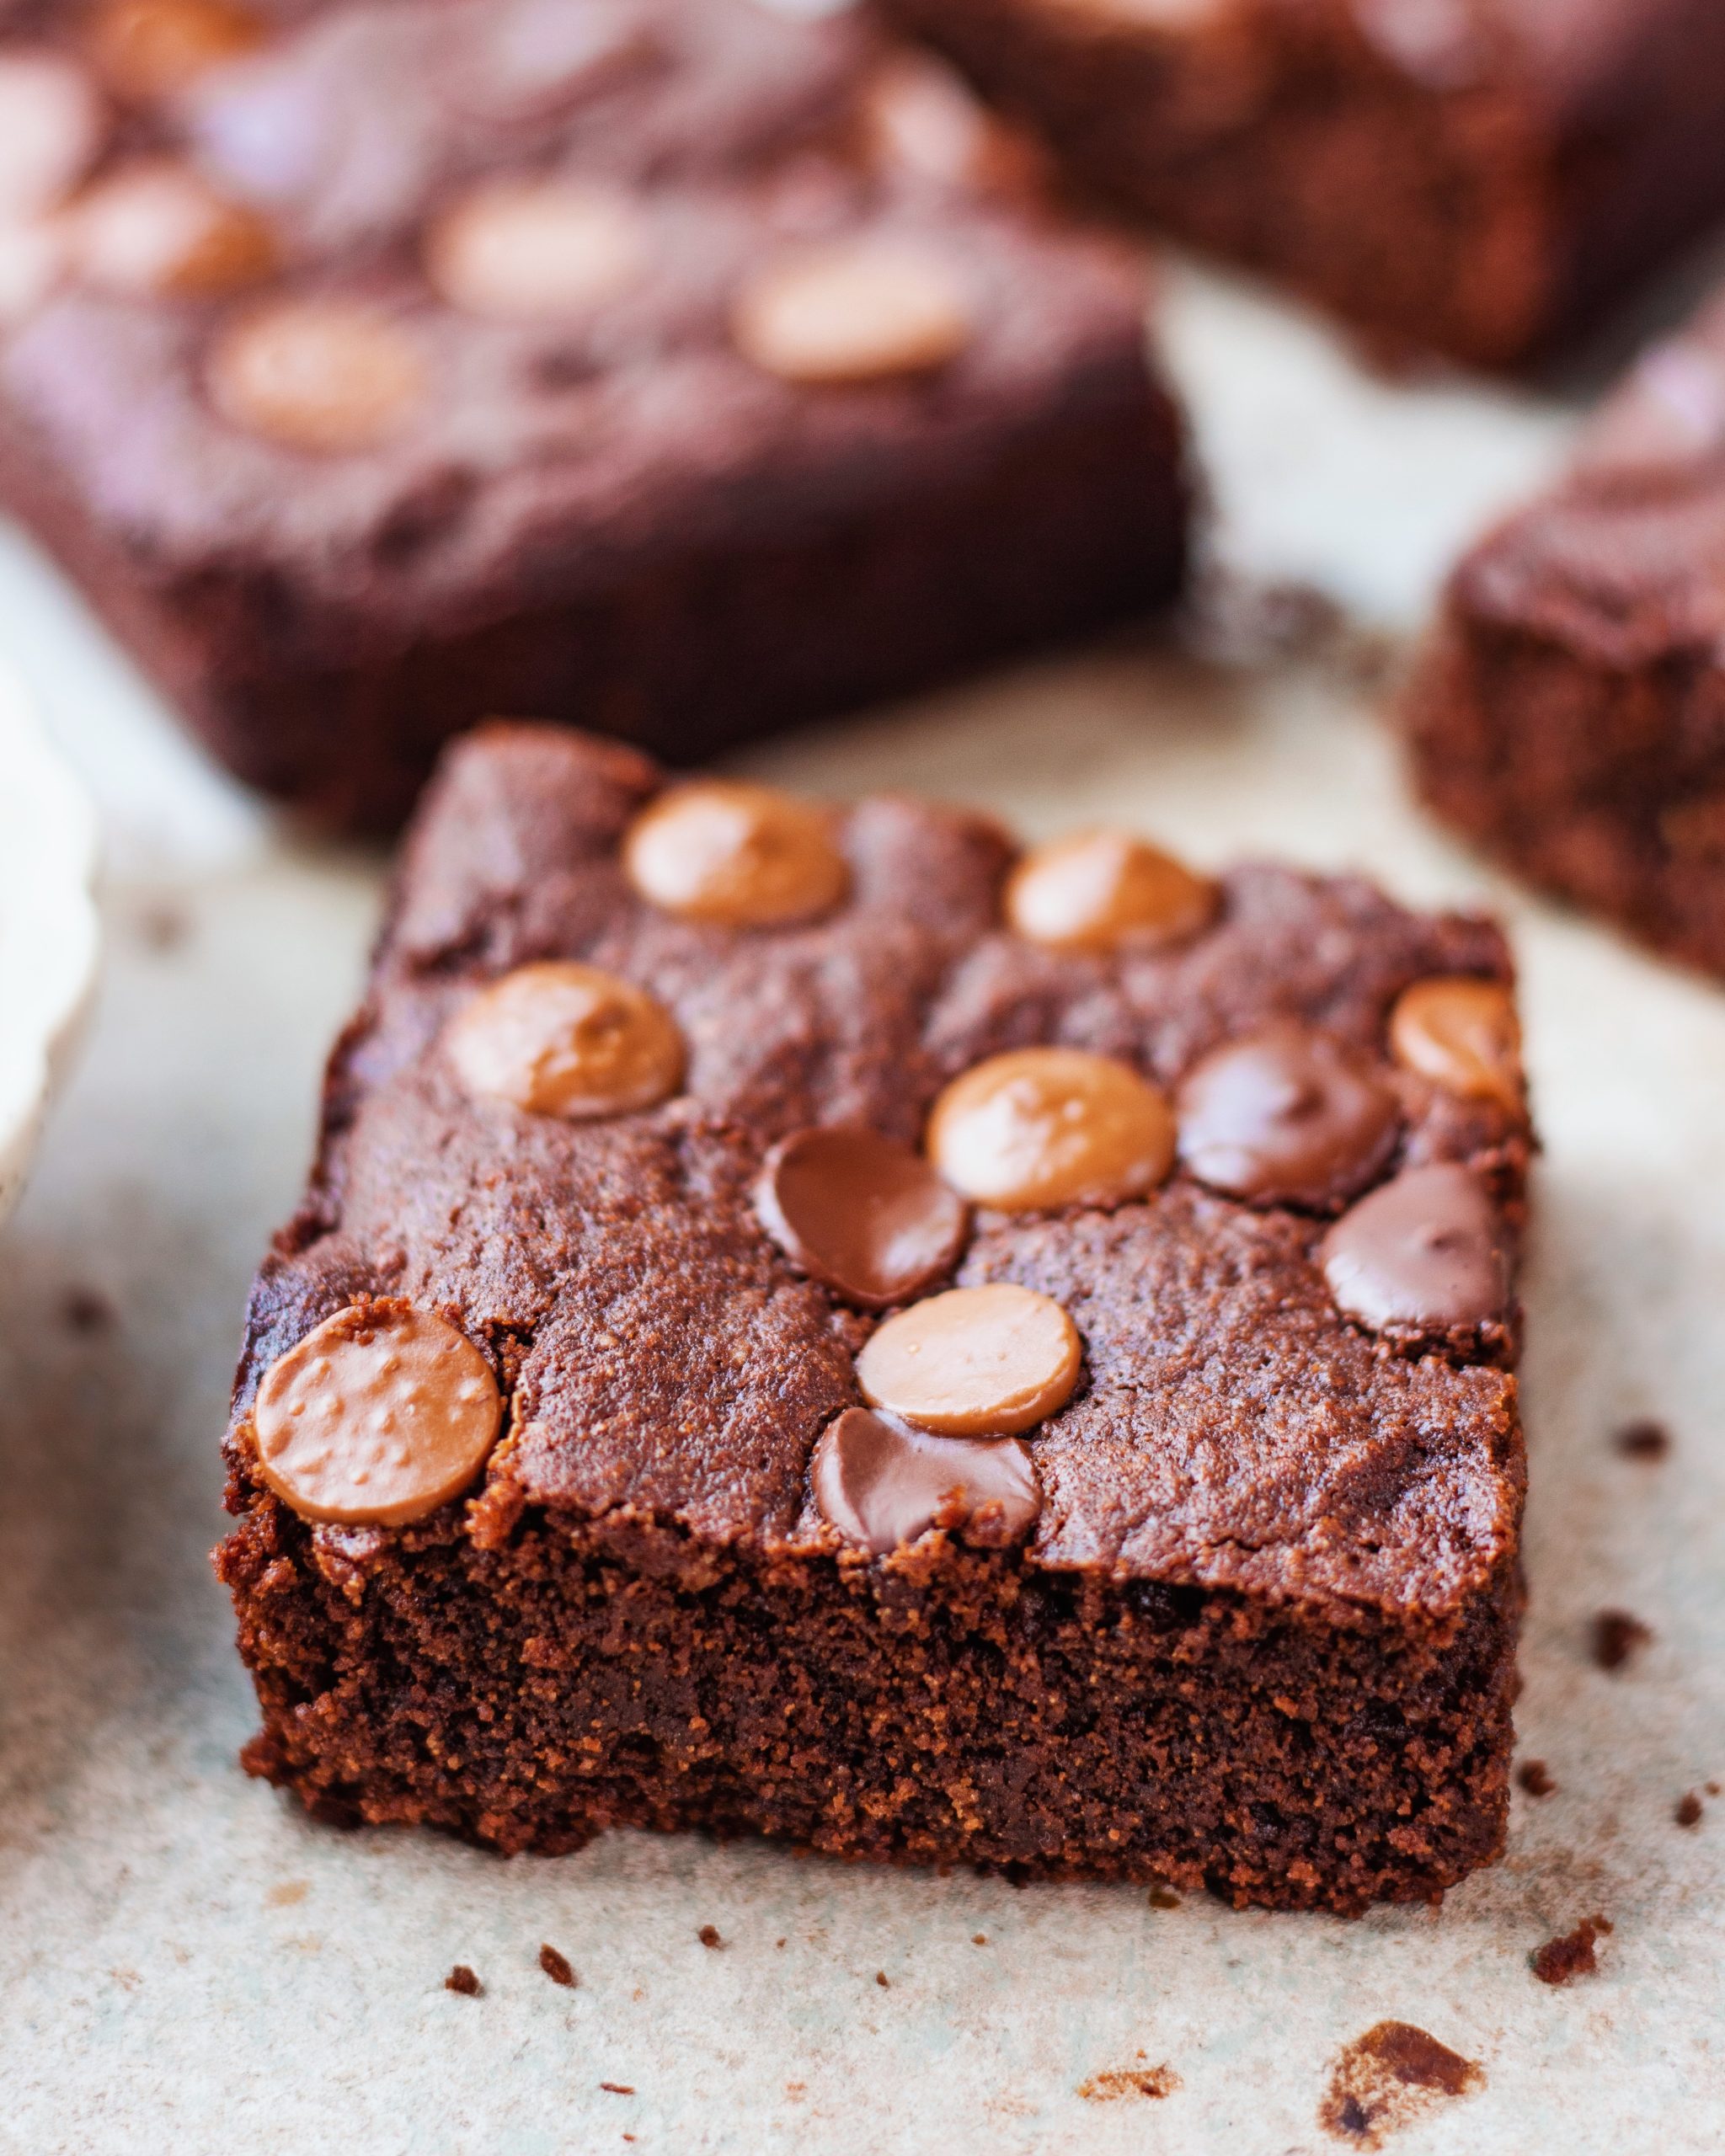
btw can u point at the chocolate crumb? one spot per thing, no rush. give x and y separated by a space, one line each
1388 2078
979 1939
1560 1960
1535 1777
618 2088
1644 1439
1617 1637
778 1942
462 1979
86 1310
1711 1788
880 1978
1129 2081
557 1966
1689 1810
708 1936
1164 1897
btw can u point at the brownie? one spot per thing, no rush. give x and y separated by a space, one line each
667 366
809 1322
1569 712
1476 177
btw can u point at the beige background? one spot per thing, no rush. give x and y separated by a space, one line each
188 1966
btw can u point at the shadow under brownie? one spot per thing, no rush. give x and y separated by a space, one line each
1138 1496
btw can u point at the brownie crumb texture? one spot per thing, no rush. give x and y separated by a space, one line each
708 1935
1535 1777
1109 2087
618 2088
880 1977
1389 2078
462 1979
557 1967
1618 1638
1643 1440
1164 1897
1689 1810
1561 1961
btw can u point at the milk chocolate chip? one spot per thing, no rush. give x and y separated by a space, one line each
855 311
326 375
155 228
1461 1033
379 1416
862 1213
149 49
745 856
1288 1117
1040 1127
566 1040
1421 1255
540 250
51 125
882 1483
1098 889
973 1363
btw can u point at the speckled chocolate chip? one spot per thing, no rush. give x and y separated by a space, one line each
740 856
330 375
1290 1116
378 1416
1422 1254
561 1039
1041 1128
51 125
150 49
1463 1034
883 1483
155 228
1097 890
542 250
974 1361
861 1213
854 311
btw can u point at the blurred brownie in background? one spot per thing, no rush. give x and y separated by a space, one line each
677 368
1570 714
1476 178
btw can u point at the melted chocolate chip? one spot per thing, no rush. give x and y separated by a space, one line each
1288 1117
1421 1255
882 1483
861 1213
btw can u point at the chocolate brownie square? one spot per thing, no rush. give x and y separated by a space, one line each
1478 178
667 366
1570 711
817 1322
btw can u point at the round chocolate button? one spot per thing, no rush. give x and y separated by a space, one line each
1421 1255
1041 1128
882 1483
155 228
149 49
974 1361
1288 1117
566 1040
853 311
742 855
862 1213
1462 1033
1099 889
324 375
51 125
541 250
378 1416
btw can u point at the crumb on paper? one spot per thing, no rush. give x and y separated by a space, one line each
160 925
1644 1439
618 2088
1689 1810
1110 2086
557 1967
1561 1961
880 1978
1386 2079
778 1942
460 1978
1164 1897
708 1935
86 1310
1618 1638
1535 1777
288 1893
979 1939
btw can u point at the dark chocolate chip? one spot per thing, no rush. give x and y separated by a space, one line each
862 1213
1288 1117
882 1483
1421 1255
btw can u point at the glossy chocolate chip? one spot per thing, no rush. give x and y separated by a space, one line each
1290 1116
1462 1033
154 228
150 49
862 1213
1421 1254
566 1040
882 1483
1041 1128
324 375
542 250
378 1416
738 855
855 311
974 1361
1097 890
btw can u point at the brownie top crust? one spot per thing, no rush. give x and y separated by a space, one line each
387 302
664 1357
